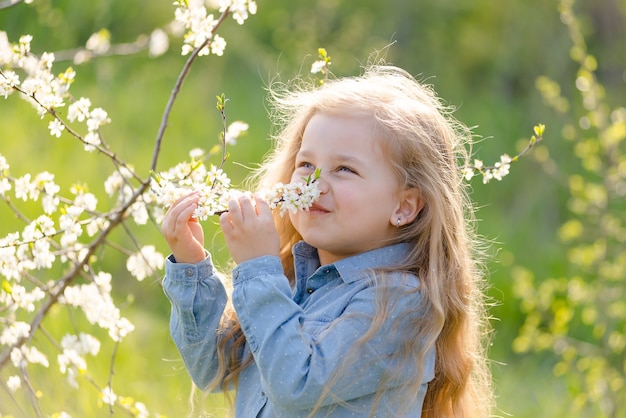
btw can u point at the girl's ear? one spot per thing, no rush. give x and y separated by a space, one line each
409 206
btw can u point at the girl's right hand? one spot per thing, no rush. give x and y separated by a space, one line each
182 232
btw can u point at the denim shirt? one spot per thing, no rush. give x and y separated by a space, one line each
299 337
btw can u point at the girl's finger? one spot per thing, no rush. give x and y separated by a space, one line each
192 195
180 212
247 208
236 217
225 222
186 213
261 205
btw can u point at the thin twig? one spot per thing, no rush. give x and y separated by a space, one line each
176 89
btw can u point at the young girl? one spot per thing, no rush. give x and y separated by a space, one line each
366 305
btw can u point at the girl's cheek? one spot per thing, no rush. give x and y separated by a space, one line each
298 173
293 217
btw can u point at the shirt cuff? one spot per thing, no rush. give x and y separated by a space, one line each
260 266
185 271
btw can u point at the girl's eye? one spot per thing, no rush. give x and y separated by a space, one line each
304 164
345 169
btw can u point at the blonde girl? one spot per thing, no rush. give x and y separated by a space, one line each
368 304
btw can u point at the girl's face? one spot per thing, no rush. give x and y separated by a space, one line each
360 197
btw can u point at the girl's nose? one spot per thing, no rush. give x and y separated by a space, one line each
322 184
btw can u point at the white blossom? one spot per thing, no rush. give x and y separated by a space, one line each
4 165
22 187
200 25
85 201
92 141
98 307
292 197
99 42
145 262
5 186
72 359
21 356
95 225
159 43
14 332
97 118
43 183
234 131
139 212
79 110
8 80
318 66
502 167
9 266
487 175
14 383
116 181
71 227
218 44
142 410
21 298
43 258
103 281
239 8
108 397
196 154
468 173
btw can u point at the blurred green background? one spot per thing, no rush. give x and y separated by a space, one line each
482 56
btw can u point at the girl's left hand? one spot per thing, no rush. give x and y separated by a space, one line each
250 231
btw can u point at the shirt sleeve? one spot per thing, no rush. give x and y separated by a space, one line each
198 298
298 357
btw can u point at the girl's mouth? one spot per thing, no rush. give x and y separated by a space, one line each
317 208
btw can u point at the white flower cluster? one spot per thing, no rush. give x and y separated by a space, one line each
234 131
498 171
95 300
201 25
46 91
14 383
72 360
215 192
145 262
35 247
14 332
187 176
120 183
240 9
55 237
21 356
293 196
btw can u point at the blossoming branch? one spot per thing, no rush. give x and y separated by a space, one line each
215 191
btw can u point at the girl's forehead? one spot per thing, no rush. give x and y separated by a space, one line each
345 129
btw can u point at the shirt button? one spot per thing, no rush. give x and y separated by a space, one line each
309 290
326 270
189 272
263 394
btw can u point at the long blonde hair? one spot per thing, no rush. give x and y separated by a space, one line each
425 145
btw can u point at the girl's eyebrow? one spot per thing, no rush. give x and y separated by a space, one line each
343 158
348 158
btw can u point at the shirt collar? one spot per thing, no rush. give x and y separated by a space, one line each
351 268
